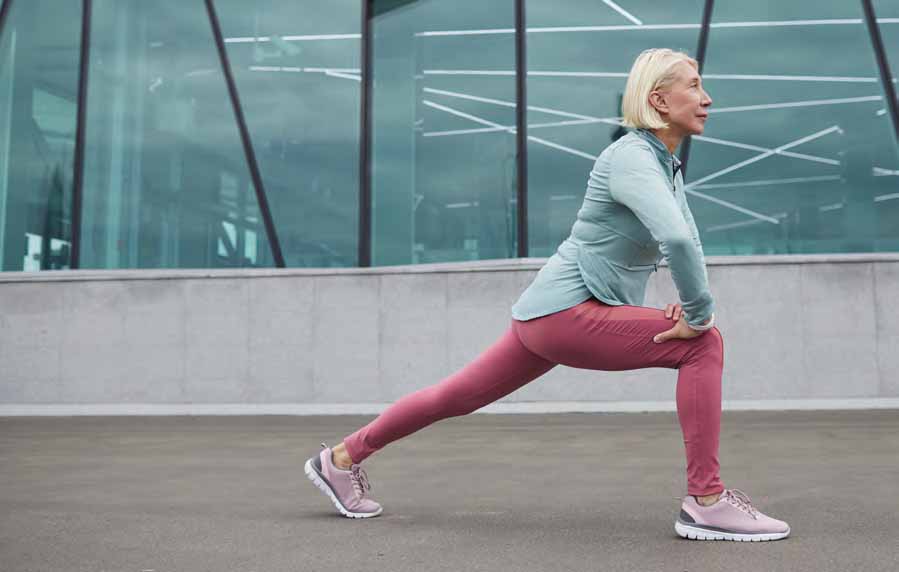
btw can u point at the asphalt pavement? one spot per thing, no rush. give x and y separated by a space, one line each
483 492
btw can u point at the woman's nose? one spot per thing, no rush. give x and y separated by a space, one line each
706 99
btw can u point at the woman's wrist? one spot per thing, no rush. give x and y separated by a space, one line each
707 325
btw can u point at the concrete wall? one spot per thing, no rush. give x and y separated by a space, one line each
796 329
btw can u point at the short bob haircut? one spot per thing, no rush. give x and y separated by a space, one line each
653 70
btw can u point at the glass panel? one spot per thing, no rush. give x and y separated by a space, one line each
166 182
799 154
576 79
296 65
887 12
39 54
443 144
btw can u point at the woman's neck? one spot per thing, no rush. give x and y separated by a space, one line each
670 138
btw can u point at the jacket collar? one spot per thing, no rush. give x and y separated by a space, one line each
667 159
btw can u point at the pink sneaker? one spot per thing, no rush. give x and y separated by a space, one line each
346 488
731 518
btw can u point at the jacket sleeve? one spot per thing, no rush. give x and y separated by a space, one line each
636 180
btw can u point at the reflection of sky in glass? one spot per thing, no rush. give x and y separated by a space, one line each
579 55
810 85
38 82
165 168
437 197
821 107
164 159
296 65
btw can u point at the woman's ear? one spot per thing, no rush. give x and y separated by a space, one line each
657 100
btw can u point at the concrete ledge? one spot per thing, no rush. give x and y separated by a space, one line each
498 265
303 409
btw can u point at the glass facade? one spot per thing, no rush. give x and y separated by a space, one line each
214 133
39 53
166 183
443 154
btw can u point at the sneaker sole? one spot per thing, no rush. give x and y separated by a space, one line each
320 482
694 533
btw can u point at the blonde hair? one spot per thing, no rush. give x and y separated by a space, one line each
653 69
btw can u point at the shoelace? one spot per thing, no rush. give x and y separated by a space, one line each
360 480
742 501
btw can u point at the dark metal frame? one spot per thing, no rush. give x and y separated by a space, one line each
883 66
700 59
4 8
364 242
261 198
80 122
521 126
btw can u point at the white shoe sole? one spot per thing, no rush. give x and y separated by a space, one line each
694 533
323 487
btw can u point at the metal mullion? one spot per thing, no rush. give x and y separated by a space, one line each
883 65
700 59
4 9
261 198
521 136
80 123
365 230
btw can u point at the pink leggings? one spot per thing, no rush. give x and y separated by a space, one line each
591 335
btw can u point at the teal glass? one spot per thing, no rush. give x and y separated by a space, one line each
579 55
443 154
39 49
296 66
166 181
799 154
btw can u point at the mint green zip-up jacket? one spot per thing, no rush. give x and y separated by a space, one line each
634 213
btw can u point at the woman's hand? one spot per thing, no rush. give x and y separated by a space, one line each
680 330
673 311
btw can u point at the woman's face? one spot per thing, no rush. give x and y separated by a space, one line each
684 104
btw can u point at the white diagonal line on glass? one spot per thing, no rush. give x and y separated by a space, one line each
768 182
469 97
887 197
614 121
826 78
764 155
301 70
305 38
592 157
568 150
730 205
530 126
468 116
470 72
808 103
343 75
623 75
464 131
727 143
731 225
881 172
617 28
622 11
508 129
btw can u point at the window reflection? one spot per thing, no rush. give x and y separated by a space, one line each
39 49
579 55
795 154
296 66
166 182
443 144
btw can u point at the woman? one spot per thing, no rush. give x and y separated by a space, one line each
584 310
